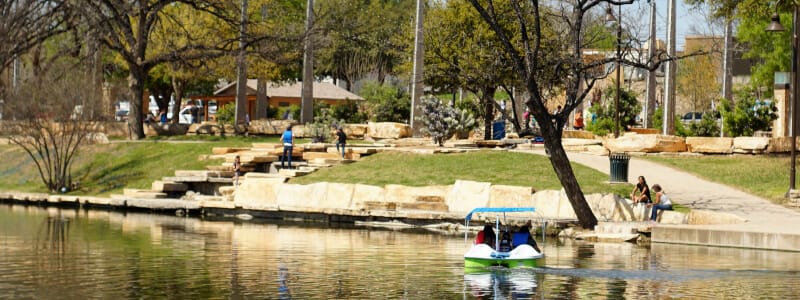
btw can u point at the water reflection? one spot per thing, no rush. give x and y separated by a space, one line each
77 254
501 283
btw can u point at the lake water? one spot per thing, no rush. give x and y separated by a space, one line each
83 254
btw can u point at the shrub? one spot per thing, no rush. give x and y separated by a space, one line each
628 110
226 114
320 129
386 103
747 115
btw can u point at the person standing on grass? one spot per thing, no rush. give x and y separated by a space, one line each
341 140
661 202
643 190
288 143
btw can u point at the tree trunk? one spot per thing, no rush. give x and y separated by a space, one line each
487 98
561 165
177 88
136 117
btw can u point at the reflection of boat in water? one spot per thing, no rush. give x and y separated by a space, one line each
482 255
501 283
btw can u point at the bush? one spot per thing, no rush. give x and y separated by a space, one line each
628 110
707 126
748 115
320 129
386 103
442 121
278 113
226 114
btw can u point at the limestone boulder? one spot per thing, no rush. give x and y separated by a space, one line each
780 145
339 196
672 217
168 129
577 134
606 207
300 131
466 195
268 126
302 197
510 196
710 145
750 145
357 131
363 194
388 130
707 217
168 187
257 193
408 194
97 138
549 204
647 143
579 145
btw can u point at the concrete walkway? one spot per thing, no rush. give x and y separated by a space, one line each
767 226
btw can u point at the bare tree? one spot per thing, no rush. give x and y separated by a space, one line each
49 117
25 24
566 68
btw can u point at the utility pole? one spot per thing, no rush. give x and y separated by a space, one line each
650 102
261 83
669 86
727 93
417 84
307 96
241 72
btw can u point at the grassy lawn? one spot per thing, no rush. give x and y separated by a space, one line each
108 168
762 175
497 167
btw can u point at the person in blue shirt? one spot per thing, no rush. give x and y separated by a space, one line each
288 143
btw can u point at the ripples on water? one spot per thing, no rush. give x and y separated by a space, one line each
69 254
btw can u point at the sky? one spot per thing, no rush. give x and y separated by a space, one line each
685 19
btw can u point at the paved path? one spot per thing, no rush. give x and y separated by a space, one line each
697 193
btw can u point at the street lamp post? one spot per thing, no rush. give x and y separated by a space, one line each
775 26
610 18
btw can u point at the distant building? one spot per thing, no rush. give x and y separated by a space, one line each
278 95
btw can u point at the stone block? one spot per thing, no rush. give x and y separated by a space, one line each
424 206
604 206
144 194
672 217
355 130
324 155
647 143
577 134
293 172
300 197
339 196
707 217
168 187
510 196
363 194
227 190
547 203
203 174
466 195
226 150
409 194
750 145
257 193
388 130
711 145
268 126
780 145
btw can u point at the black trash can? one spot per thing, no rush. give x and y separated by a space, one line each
619 167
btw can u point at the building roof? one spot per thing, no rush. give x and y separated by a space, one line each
322 90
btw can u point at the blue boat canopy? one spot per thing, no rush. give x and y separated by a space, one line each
498 210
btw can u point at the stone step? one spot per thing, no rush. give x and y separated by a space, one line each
143 194
168 186
226 150
430 199
227 190
293 172
380 205
617 227
608 237
354 150
426 206
203 173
